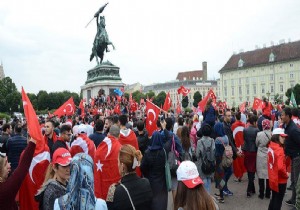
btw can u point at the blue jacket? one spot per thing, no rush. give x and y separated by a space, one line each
15 146
210 115
167 139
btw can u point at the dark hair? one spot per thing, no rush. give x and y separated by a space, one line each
185 138
169 123
180 120
193 199
275 139
295 112
99 125
52 122
140 125
18 128
158 123
123 119
288 111
238 115
115 119
65 128
206 130
5 127
252 119
208 103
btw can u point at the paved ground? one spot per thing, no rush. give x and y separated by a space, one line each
239 200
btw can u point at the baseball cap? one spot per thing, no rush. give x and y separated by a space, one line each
62 157
279 131
82 128
187 173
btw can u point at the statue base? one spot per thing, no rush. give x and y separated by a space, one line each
104 77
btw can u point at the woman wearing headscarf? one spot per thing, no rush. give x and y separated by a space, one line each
153 168
220 142
262 140
80 190
132 192
209 114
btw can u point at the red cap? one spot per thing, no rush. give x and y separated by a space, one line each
62 157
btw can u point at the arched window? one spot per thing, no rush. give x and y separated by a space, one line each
241 63
271 57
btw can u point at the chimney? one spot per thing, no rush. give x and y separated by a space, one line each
204 70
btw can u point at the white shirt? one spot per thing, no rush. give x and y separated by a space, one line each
100 204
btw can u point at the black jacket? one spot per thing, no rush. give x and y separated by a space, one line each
229 134
250 134
292 142
143 140
139 190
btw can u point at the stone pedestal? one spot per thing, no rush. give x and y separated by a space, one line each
105 76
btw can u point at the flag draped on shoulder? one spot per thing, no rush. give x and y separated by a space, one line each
184 91
68 108
41 159
106 171
152 116
168 102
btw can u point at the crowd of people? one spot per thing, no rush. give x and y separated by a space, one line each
101 159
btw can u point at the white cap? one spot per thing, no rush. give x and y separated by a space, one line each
187 172
82 129
279 131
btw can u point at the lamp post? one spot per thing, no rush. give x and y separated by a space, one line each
268 94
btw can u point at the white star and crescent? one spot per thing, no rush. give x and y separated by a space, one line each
99 166
148 115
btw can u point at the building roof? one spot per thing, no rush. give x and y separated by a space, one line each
282 52
189 75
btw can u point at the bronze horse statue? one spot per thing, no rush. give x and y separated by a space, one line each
101 41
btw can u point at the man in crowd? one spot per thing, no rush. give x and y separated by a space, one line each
15 146
6 130
142 136
90 129
108 123
50 136
127 136
64 139
292 149
98 136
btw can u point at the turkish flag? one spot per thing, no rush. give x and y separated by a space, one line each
184 91
243 107
93 102
152 116
257 104
130 98
178 106
106 171
83 144
117 109
272 168
133 106
41 159
167 103
238 136
81 106
203 102
68 108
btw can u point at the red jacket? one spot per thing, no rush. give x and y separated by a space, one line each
267 109
276 166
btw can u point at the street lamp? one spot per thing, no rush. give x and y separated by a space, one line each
268 94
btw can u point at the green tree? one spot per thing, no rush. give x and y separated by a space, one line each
8 95
137 95
13 101
159 100
296 91
197 98
150 94
126 95
185 102
42 98
278 99
33 98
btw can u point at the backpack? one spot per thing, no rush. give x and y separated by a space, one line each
173 158
227 157
208 165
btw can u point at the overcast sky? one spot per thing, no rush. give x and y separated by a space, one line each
44 45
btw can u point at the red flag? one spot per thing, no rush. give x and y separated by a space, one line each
106 171
257 103
184 91
178 107
238 136
133 106
152 116
117 109
167 103
93 102
243 107
81 106
108 99
203 102
68 108
130 98
41 159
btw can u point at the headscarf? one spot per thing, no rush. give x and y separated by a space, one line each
80 190
219 129
156 140
266 124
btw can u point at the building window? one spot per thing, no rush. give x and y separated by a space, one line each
262 89
281 88
254 89
291 75
241 63
291 65
271 77
225 91
271 57
247 89
247 98
232 82
232 91
281 77
240 90
272 89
